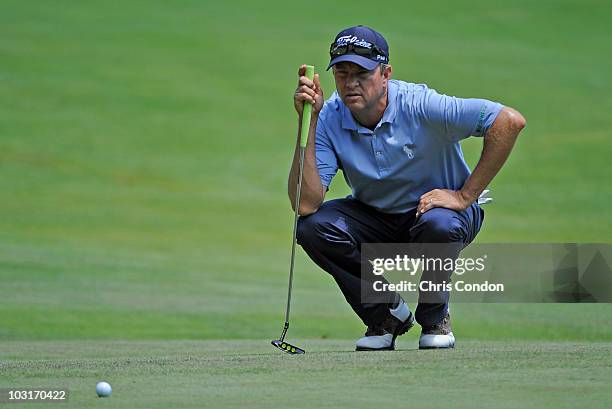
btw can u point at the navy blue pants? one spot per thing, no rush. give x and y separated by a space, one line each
332 238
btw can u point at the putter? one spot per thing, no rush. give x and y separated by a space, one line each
281 343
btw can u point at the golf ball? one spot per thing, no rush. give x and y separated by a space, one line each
103 389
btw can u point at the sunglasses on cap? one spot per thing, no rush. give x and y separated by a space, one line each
363 48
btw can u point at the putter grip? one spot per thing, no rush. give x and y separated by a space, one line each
307 111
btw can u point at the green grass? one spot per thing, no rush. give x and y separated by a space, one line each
235 374
144 149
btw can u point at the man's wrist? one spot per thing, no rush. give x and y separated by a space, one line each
468 198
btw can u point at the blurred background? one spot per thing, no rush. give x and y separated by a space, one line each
145 146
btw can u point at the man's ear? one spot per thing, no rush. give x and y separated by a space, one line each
387 72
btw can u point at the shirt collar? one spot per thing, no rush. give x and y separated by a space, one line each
348 122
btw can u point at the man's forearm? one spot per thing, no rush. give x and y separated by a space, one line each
497 145
313 192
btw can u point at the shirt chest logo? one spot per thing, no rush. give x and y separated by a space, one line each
409 152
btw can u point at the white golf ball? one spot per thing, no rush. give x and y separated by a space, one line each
103 389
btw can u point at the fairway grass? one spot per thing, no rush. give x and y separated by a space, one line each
251 373
144 151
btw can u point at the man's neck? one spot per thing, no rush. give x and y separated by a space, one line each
370 117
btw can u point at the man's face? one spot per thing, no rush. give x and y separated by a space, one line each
359 88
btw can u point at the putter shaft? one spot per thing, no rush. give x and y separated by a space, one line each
295 221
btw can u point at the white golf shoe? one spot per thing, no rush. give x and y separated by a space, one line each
382 337
437 336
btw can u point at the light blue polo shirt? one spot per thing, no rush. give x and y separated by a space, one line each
413 149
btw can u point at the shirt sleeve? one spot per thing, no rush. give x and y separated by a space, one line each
327 162
459 118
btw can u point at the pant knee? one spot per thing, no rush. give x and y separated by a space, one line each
439 226
319 230
306 229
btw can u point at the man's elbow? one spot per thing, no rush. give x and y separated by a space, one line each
516 120
305 207
305 210
308 203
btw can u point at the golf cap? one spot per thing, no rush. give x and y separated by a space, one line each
360 45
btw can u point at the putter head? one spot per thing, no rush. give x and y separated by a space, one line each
288 348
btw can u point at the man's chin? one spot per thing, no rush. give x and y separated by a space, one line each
354 102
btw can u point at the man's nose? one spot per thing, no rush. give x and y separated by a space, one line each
352 81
